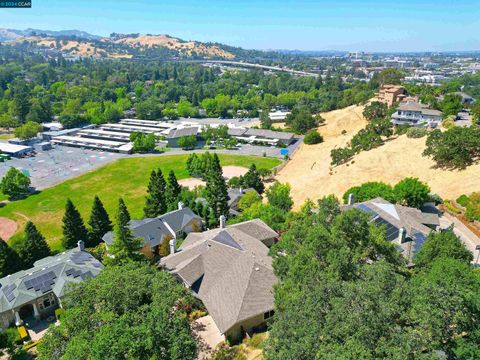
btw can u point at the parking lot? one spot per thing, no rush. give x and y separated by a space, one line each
51 167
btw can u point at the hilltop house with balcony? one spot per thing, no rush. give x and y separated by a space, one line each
416 114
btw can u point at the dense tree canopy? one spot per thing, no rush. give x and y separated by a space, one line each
370 190
15 183
457 147
411 192
28 130
99 91
130 312
345 293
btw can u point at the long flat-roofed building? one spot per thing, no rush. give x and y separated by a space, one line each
93 143
14 150
265 136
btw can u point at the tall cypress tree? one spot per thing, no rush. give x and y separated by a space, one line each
10 262
34 246
253 180
155 202
124 246
215 165
99 223
74 229
217 194
173 191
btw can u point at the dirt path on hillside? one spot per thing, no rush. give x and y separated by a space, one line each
311 176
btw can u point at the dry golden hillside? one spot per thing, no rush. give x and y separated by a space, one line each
86 48
311 175
73 47
184 47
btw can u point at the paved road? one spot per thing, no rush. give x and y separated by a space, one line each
466 235
252 65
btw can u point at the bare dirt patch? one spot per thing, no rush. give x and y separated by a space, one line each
191 183
231 171
7 228
311 176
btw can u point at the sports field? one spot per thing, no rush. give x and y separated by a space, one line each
126 177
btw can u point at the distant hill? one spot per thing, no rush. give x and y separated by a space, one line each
83 44
12 34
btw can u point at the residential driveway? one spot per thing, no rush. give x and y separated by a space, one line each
466 235
38 328
208 336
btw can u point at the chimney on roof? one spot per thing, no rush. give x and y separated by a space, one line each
223 221
173 246
81 245
401 235
351 199
181 205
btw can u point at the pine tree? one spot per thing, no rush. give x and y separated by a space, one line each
253 180
155 202
74 229
34 246
217 194
215 165
10 262
125 246
173 191
99 223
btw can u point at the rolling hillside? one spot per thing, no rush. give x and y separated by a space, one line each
83 44
311 175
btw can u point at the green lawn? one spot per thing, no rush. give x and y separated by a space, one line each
126 177
6 136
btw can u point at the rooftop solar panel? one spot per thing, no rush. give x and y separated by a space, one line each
367 210
391 230
419 239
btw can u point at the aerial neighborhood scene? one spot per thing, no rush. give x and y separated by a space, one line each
239 180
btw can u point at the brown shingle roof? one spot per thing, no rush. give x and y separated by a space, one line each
229 269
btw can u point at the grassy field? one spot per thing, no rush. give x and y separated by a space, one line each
125 177
6 136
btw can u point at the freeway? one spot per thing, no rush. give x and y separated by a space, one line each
250 65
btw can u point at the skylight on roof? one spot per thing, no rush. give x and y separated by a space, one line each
389 209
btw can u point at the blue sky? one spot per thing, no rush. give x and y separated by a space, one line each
402 25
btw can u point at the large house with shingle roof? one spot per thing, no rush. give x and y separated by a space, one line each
407 227
229 269
416 114
37 291
154 231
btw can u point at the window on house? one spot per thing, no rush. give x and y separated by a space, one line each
268 314
47 303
